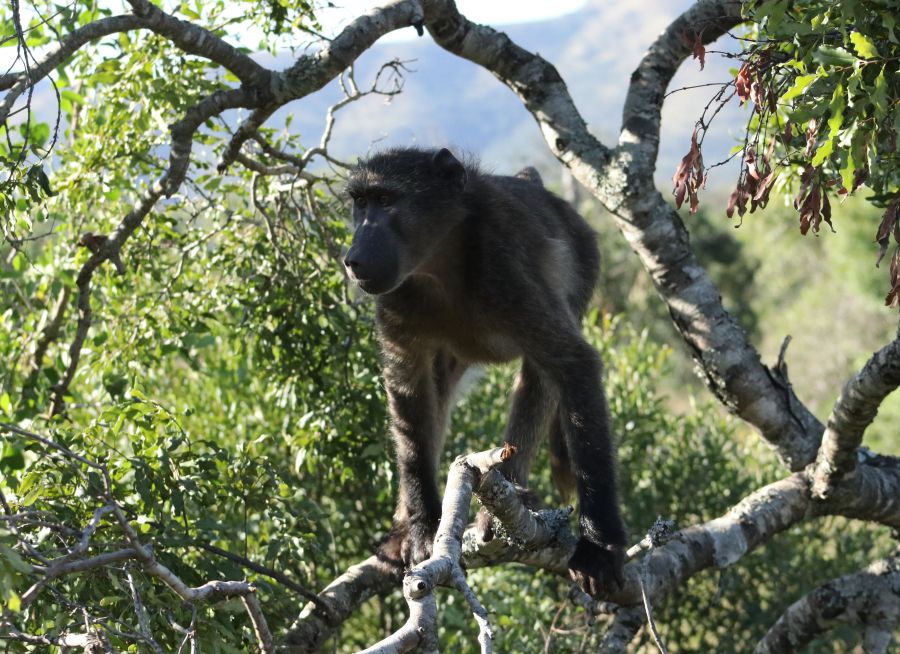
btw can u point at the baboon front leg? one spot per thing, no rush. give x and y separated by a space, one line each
419 390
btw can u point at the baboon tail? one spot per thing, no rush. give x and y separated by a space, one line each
560 465
531 174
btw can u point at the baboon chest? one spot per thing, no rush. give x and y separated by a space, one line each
471 332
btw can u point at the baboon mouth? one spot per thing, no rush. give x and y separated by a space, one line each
369 286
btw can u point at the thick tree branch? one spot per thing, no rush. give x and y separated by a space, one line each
718 543
869 599
197 40
853 412
18 82
190 38
625 625
541 538
315 626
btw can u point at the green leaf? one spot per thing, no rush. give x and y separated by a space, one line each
27 482
880 96
12 458
5 404
828 56
12 558
863 45
838 102
72 96
31 496
13 601
855 155
799 86
888 22
823 153
187 11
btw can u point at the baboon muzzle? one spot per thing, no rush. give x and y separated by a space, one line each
371 260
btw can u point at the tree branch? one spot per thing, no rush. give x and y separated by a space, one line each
197 40
109 248
280 577
49 334
68 564
718 543
870 492
314 626
309 73
72 567
625 625
869 599
18 82
853 412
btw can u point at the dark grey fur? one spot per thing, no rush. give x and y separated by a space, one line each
475 268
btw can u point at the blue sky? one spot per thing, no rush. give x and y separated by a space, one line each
480 11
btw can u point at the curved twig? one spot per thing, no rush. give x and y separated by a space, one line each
853 412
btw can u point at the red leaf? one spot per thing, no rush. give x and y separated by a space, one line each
738 199
893 297
699 51
787 135
826 210
805 180
860 176
889 222
743 82
765 186
810 211
688 177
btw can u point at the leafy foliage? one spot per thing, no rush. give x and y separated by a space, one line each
822 78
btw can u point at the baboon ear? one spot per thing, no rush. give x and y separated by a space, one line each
450 167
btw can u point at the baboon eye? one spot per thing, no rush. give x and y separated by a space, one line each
360 201
384 200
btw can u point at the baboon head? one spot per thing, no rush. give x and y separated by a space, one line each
405 201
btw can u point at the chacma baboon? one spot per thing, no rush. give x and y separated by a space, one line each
473 268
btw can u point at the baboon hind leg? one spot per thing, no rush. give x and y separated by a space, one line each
533 412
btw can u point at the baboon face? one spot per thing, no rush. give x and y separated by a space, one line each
404 203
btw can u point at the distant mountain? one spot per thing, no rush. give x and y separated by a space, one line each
449 101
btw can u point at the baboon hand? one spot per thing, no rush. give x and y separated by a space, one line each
597 568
